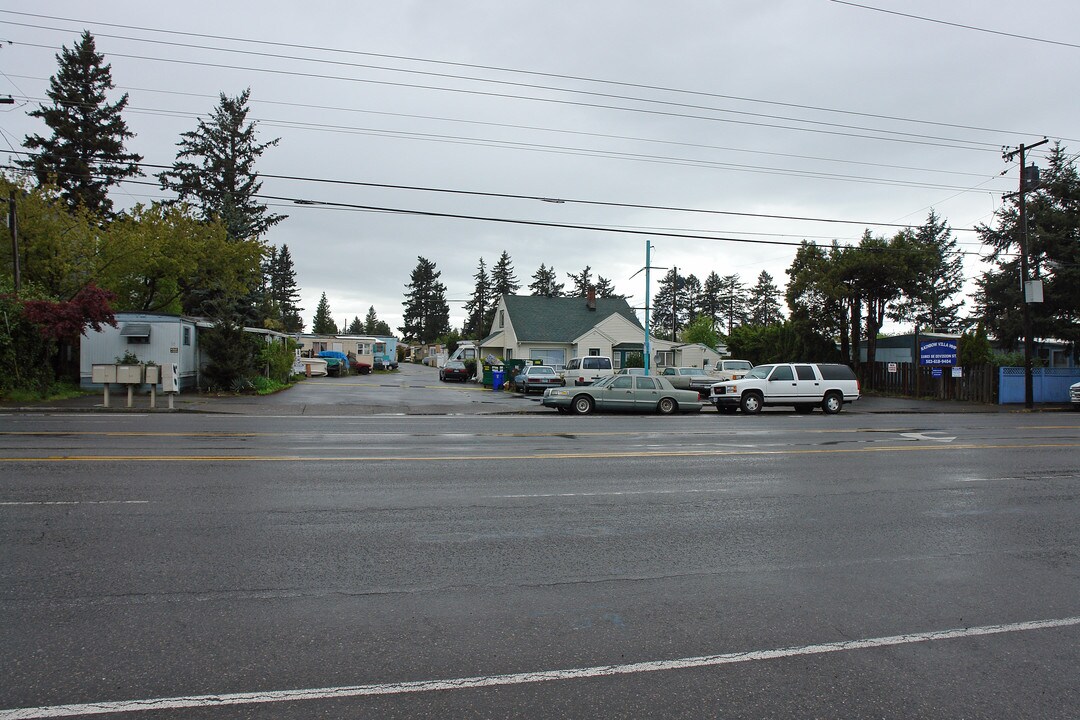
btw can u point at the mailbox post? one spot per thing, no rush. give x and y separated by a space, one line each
152 376
104 374
170 382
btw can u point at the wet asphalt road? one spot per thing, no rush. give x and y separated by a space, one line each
698 566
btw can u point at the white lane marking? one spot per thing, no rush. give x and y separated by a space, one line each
604 494
484 681
926 436
76 502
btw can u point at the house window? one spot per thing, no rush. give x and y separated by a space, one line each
508 355
665 358
187 336
502 318
594 351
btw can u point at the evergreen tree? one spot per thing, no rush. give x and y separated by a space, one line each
931 306
85 155
480 305
710 299
1053 214
371 321
284 291
665 306
605 288
356 327
764 305
503 279
323 324
580 282
545 283
215 170
733 302
689 303
426 315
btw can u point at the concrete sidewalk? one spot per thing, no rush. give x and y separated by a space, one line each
470 400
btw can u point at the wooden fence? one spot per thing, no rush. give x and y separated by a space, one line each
978 383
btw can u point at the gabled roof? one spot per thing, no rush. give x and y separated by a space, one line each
562 319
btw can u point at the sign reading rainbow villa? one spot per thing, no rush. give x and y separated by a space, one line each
937 352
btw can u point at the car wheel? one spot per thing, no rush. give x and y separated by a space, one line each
833 403
804 409
666 406
751 403
583 404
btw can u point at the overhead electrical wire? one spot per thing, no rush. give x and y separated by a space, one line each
512 126
533 73
885 136
957 25
548 199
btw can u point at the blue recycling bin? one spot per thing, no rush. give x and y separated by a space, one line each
498 377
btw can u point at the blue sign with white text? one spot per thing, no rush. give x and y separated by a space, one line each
937 352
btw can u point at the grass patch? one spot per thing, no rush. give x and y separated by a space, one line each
55 391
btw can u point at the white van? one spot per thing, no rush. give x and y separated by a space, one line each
586 370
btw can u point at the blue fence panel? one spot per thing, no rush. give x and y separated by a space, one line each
1048 385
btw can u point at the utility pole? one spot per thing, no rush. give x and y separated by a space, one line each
1029 341
13 224
674 299
648 268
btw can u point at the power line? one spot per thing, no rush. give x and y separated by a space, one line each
559 200
887 135
532 73
957 25
606 136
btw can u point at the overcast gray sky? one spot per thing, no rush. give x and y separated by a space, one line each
798 108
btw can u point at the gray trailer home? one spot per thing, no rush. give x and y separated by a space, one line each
150 337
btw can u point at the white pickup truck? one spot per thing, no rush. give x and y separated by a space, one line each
722 371
804 386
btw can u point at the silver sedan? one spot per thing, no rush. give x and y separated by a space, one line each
623 393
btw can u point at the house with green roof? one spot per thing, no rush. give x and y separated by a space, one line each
555 329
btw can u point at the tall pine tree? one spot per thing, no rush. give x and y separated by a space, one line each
478 308
503 279
545 282
85 155
284 291
733 302
764 305
323 323
215 170
931 306
580 282
426 315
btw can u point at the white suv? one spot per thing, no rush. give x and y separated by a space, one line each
802 385
586 370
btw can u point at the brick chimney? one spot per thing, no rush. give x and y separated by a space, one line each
590 298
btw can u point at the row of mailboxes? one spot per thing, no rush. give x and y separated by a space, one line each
168 375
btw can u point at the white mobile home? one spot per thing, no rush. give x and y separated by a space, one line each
362 347
150 337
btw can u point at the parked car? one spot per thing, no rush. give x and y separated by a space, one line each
1074 396
586 370
631 371
626 393
680 377
804 386
536 377
721 371
453 370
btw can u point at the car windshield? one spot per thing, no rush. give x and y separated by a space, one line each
606 380
542 370
692 371
737 365
455 365
760 372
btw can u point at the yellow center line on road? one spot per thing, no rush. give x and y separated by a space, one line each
528 456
